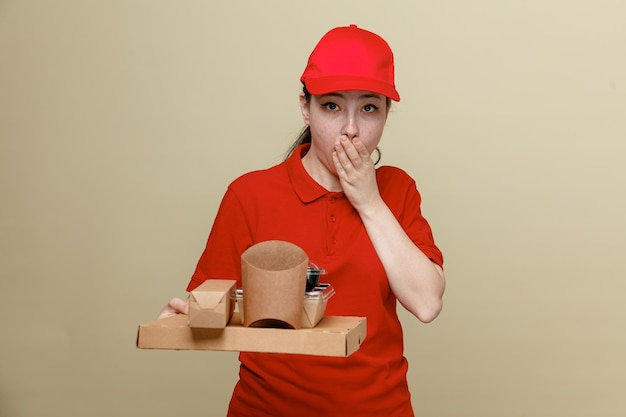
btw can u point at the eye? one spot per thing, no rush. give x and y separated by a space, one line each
369 108
331 106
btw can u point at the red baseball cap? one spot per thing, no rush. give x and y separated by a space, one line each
351 58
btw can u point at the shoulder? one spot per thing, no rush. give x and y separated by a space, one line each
259 180
397 187
387 174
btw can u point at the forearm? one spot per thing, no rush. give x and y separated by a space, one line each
416 281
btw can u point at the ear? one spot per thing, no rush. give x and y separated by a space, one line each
304 108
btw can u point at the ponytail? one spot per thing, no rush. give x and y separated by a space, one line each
305 134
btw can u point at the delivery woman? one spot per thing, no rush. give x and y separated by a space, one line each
360 223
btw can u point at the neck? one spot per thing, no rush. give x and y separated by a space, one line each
320 173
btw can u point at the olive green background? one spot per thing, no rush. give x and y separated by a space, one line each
122 123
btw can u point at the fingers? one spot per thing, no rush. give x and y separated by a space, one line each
364 154
175 306
346 152
350 154
180 306
338 165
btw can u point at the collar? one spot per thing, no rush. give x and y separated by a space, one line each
304 185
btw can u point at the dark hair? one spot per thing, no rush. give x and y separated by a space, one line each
305 134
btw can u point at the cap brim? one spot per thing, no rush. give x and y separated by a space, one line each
325 85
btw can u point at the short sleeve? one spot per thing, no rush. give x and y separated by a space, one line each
229 238
417 227
400 193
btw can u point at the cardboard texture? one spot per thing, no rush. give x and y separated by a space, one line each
313 307
210 304
273 275
333 336
312 312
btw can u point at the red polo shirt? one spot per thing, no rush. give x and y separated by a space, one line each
285 203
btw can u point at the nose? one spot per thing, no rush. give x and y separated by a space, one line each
350 126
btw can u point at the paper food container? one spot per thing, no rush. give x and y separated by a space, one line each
313 307
273 276
211 305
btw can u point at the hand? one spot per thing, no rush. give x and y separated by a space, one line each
175 306
356 172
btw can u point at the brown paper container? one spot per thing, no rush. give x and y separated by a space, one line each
313 307
273 275
210 304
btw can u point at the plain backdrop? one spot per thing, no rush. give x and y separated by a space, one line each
122 123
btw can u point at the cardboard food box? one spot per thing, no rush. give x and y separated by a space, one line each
313 308
210 304
273 276
333 336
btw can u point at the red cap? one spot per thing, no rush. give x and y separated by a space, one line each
351 58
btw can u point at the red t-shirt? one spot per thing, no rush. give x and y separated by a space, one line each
285 203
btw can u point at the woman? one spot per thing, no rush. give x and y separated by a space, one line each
361 224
